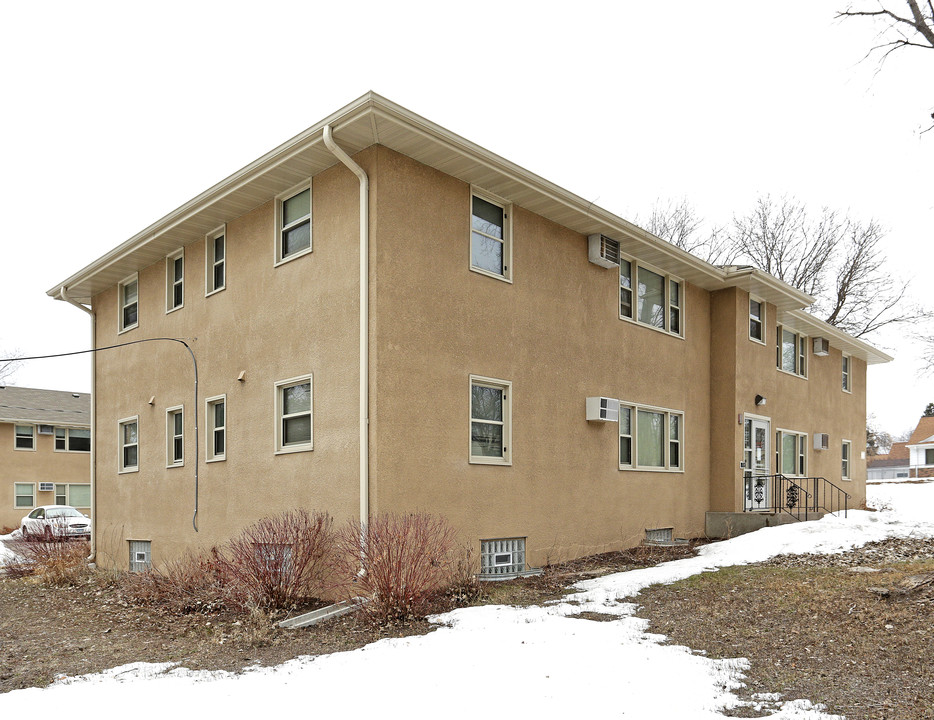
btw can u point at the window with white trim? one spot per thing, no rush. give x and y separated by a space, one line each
490 421
845 457
756 319
175 437
75 494
215 265
175 281
846 373
791 453
216 438
650 438
128 301
72 440
24 437
24 495
658 301
490 235
294 415
293 223
791 351
128 444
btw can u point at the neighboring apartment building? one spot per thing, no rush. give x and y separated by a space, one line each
494 304
45 451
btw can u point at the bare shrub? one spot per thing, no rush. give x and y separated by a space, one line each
401 564
283 559
55 562
191 584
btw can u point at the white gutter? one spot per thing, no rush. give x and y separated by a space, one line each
364 321
93 478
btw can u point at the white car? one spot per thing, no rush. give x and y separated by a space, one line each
56 522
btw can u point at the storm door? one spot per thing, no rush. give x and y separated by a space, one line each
756 486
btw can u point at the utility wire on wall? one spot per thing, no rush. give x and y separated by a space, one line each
194 519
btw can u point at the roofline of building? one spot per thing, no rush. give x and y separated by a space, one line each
702 273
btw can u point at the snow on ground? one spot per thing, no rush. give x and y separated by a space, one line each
503 661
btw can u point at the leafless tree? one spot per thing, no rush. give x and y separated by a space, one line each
828 255
905 24
678 223
8 365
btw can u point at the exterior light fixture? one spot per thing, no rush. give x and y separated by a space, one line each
760 400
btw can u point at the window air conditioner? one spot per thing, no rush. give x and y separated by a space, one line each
602 409
603 251
46 487
821 441
821 347
46 429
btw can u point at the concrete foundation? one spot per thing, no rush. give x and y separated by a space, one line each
730 524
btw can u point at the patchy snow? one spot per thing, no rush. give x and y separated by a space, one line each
509 661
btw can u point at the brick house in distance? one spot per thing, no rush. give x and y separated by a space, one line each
45 451
387 317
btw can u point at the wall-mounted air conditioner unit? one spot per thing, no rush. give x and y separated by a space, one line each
821 346
46 429
46 487
603 251
602 409
821 441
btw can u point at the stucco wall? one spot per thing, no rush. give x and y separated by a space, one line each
555 334
815 404
270 323
43 464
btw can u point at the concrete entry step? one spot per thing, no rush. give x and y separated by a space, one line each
730 524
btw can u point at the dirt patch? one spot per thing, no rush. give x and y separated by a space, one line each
47 631
852 631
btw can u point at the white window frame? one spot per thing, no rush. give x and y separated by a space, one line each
667 441
280 201
280 387
172 436
670 307
846 366
171 282
32 496
17 436
801 352
211 262
213 429
802 461
846 457
122 305
67 495
505 386
760 319
121 446
506 240
66 438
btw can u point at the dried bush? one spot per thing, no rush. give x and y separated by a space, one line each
191 584
402 564
283 559
55 562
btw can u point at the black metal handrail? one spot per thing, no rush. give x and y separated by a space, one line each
782 494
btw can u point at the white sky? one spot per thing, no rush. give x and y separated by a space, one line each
116 113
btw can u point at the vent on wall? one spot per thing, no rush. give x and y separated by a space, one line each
603 251
821 441
821 347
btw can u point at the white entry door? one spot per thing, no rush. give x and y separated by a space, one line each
756 484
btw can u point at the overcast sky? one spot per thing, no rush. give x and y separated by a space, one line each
116 113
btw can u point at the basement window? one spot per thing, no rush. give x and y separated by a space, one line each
502 557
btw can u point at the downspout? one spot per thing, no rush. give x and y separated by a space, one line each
364 321
93 556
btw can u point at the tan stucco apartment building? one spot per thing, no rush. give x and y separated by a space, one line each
454 369
45 451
